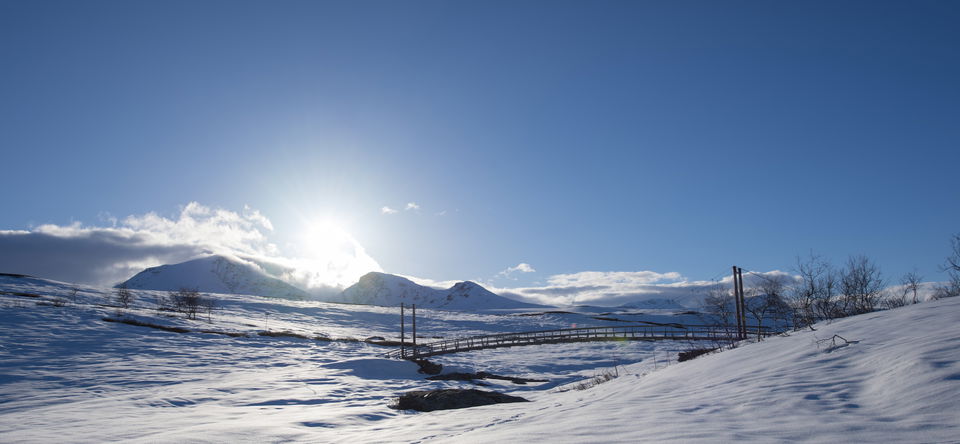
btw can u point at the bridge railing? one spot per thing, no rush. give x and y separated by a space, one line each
581 334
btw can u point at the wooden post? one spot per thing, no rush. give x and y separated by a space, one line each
403 354
743 303
414 306
736 298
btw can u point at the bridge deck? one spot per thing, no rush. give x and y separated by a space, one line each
566 335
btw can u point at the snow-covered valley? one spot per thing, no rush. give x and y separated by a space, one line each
66 375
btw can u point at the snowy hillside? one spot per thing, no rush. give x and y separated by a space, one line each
269 370
890 376
390 290
214 274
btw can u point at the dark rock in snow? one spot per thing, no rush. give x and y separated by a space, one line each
446 399
481 375
427 367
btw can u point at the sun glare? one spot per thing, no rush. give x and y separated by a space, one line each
332 256
325 236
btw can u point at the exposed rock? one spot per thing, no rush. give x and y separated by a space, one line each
691 354
481 375
427 367
446 399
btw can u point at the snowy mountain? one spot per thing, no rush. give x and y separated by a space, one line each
390 290
214 274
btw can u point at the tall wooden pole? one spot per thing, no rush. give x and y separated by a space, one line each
414 330
403 353
736 298
743 302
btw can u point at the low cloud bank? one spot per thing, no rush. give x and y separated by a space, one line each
107 255
614 288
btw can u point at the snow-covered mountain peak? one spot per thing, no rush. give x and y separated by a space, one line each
214 274
386 289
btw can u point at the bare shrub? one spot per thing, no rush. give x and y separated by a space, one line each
767 302
952 267
895 299
861 284
189 302
719 308
123 296
814 297
907 293
949 290
597 379
911 286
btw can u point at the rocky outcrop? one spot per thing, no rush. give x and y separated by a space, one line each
446 399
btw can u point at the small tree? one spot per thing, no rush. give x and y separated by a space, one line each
909 292
123 296
911 285
208 305
952 267
814 297
189 302
719 308
186 301
861 285
767 302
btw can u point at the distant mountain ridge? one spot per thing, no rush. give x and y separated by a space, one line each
386 289
214 274
220 274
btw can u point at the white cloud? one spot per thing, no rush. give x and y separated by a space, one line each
613 278
522 267
411 206
430 282
612 288
106 255
387 210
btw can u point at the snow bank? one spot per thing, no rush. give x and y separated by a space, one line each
898 382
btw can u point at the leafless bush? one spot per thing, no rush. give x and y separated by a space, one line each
948 290
952 267
906 294
894 299
814 297
767 302
861 284
719 309
597 379
189 302
123 296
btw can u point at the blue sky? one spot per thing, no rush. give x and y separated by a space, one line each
666 137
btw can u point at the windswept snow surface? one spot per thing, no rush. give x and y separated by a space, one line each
66 375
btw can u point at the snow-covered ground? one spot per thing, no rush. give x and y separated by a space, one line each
67 375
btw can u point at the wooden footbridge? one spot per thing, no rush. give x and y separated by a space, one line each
661 332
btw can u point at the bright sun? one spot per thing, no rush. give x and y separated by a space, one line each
331 256
324 237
